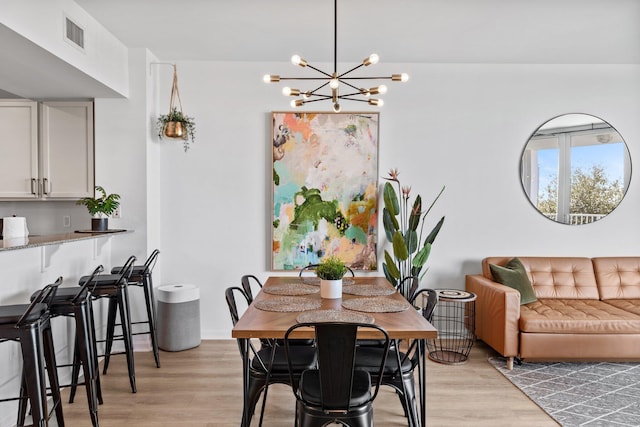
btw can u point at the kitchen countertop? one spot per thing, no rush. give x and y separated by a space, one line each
54 239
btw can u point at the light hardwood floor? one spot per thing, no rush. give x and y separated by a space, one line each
202 387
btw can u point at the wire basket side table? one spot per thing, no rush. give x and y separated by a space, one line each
455 318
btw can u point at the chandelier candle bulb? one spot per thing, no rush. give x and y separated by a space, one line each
271 78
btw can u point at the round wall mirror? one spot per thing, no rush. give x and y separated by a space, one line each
575 169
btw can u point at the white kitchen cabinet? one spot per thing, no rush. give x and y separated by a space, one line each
66 150
18 149
46 150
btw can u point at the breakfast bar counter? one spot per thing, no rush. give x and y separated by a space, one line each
54 239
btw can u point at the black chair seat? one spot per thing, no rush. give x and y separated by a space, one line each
302 358
102 280
63 295
12 313
368 358
310 387
136 274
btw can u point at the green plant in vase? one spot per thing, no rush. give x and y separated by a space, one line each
100 208
331 268
401 220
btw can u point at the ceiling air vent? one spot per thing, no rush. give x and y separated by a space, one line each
74 33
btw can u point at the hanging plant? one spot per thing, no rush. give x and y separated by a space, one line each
176 124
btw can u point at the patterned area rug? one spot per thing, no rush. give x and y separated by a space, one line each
590 394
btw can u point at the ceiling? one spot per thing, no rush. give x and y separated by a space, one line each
404 31
399 31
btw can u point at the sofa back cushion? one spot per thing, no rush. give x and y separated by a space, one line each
618 277
554 277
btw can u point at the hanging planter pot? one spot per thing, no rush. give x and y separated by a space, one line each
176 124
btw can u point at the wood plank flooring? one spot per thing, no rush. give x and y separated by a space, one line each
202 387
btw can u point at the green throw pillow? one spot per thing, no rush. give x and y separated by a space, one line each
515 276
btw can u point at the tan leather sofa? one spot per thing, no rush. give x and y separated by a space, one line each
587 309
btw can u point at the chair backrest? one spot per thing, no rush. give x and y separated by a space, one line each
246 285
408 286
127 269
336 346
150 262
311 268
230 296
432 301
44 296
87 284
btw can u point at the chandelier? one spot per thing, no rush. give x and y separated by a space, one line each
332 83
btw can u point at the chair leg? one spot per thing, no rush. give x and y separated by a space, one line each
151 316
34 367
85 353
75 368
111 324
125 320
50 355
22 403
94 348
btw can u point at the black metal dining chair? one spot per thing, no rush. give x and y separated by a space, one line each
408 286
76 303
246 282
400 366
268 365
311 268
336 391
114 287
29 324
141 277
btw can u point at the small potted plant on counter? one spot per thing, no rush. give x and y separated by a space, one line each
100 208
330 271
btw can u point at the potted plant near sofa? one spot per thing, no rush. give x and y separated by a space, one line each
330 271
100 208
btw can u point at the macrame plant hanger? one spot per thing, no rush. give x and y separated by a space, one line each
175 129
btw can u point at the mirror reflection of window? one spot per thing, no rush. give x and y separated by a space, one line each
575 169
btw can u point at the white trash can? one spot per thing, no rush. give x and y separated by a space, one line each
178 317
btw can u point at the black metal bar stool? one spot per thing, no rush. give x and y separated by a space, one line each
29 325
114 288
76 303
141 277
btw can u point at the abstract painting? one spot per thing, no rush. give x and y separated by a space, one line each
325 186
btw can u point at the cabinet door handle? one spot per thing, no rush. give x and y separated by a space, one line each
33 186
45 186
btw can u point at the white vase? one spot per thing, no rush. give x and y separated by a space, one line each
331 288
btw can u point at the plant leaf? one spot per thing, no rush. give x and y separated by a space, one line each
390 224
422 256
399 247
391 199
411 239
390 267
390 278
432 236
414 218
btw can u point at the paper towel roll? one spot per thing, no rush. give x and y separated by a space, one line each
14 226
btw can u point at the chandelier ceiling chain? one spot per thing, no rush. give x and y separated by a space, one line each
334 80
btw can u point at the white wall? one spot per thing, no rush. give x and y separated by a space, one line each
459 125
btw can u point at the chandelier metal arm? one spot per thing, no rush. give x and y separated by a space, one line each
353 69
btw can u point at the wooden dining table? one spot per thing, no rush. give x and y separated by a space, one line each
408 324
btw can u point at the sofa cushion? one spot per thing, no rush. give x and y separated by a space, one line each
573 316
618 277
555 277
514 275
630 305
